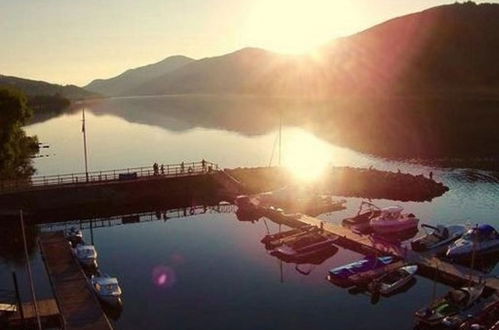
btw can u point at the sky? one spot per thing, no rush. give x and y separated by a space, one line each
76 41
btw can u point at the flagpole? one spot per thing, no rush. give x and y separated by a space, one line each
84 131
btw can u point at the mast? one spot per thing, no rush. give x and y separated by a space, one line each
30 275
84 131
280 135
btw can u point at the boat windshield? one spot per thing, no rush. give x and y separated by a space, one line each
478 236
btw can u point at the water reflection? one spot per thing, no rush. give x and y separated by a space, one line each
11 241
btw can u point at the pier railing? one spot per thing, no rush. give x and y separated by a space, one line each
132 173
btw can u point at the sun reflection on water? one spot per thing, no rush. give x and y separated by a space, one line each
306 156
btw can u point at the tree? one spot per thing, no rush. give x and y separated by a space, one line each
16 148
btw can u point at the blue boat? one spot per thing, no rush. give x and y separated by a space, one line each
341 276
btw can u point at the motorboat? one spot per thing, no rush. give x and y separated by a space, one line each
272 237
394 280
304 247
480 239
392 220
367 211
86 255
482 315
74 235
456 301
107 289
289 237
342 275
245 202
437 236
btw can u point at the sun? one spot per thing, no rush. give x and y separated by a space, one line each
299 26
306 156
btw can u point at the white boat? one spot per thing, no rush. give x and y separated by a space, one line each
479 239
107 289
392 221
437 236
391 281
456 301
86 255
74 235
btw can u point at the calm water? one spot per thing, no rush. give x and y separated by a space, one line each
210 270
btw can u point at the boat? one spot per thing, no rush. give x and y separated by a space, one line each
304 247
480 239
86 255
391 281
74 235
366 212
107 289
289 237
438 236
392 220
484 317
456 301
342 275
272 237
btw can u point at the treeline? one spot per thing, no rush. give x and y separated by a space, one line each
16 149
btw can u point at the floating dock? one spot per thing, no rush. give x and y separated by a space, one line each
76 301
430 266
47 310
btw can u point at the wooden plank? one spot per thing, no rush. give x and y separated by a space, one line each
77 303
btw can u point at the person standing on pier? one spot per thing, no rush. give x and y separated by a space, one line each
155 168
431 175
162 168
203 165
182 166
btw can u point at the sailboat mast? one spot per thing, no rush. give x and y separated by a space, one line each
84 131
280 135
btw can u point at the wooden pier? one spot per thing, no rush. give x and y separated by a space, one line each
429 265
77 303
47 311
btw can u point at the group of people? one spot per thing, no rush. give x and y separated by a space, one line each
160 169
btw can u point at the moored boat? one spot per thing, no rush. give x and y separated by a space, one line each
86 255
107 289
342 275
304 247
366 212
394 280
392 220
437 236
75 236
480 239
454 302
288 237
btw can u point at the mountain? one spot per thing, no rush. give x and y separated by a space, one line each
35 88
247 71
443 50
132 78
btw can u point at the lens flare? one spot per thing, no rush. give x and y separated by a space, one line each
163 276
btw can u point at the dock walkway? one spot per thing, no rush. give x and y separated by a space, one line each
429 264
76 300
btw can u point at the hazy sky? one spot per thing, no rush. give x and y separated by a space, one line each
76 41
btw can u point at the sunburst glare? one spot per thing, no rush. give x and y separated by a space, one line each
305 155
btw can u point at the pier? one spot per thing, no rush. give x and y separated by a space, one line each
430 266
47 311
110 188
78 305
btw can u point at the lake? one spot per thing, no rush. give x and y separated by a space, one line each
210 270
